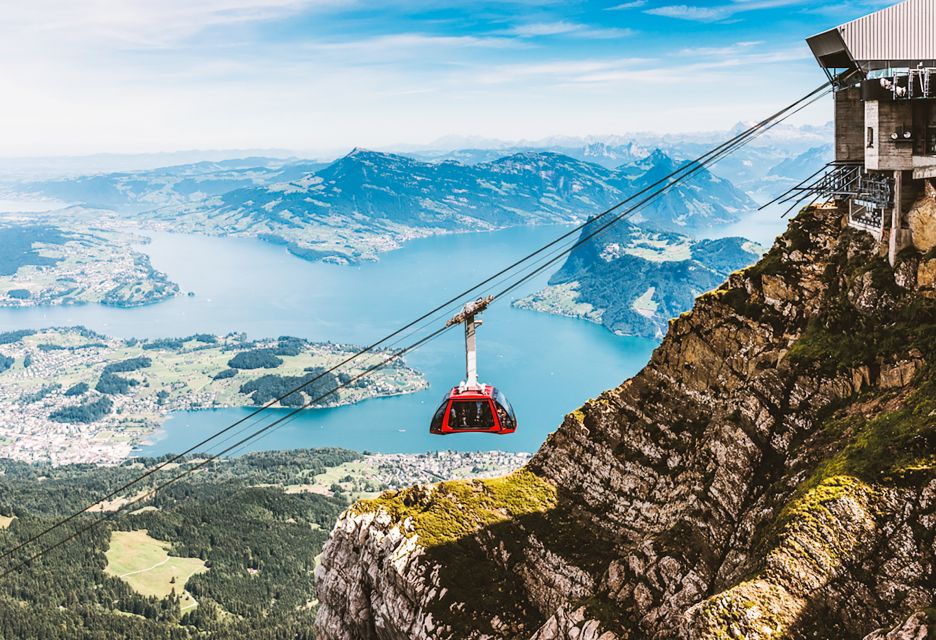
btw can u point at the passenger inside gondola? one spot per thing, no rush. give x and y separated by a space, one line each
503 418
505 411
471 415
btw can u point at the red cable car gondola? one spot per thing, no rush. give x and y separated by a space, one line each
473 407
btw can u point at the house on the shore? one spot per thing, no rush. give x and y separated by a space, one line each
883 70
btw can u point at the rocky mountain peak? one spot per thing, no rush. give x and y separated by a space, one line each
360 155
769 474
651 167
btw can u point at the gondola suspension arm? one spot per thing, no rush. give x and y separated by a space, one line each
469 317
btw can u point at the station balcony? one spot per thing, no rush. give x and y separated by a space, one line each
912 83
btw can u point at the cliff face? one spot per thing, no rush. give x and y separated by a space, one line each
771 473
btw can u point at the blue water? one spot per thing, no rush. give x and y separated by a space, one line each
547 365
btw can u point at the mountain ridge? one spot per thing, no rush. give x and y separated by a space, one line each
395 197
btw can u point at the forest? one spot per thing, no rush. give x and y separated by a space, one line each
318 384
9 337
85 413
255 359
130 364
258 543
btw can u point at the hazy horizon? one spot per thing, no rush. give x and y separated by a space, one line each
141 160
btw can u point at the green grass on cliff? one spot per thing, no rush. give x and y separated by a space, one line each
799 237
450 520
894 448
842 338
836 347
456 509
808 537
890 446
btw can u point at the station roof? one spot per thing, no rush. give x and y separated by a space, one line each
902 34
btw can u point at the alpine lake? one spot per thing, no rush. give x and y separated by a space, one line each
547 365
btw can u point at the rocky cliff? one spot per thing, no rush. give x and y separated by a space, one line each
771 473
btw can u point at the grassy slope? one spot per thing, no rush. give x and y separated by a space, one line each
145 564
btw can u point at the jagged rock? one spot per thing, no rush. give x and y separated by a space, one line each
916 627
901 374
926 274
771 473
922 219
905 272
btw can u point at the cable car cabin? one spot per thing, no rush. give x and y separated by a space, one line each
473 406
481 410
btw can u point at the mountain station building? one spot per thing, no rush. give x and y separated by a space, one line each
883 70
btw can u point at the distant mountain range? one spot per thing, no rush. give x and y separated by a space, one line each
748 164
132 191
803 165
368 201
746 168
633 280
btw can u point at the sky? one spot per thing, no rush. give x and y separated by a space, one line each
318 76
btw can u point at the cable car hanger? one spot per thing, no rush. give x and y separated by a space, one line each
472 406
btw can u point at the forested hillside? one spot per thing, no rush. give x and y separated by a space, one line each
235 520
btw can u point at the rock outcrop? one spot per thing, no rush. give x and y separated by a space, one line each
922 219
771 473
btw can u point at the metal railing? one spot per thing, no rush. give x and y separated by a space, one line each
844 181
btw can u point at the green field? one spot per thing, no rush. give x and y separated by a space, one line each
362 473
145 564
43 265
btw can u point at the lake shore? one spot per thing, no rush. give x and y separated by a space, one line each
357 305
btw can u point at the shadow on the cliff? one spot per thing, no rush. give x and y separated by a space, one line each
494 571
823 618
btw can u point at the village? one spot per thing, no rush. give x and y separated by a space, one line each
47 263
73 396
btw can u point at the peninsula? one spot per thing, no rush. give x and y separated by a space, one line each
71 395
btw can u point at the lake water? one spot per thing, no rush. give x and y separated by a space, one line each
547 365
761 226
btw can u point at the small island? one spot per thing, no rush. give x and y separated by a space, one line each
46 264
70 395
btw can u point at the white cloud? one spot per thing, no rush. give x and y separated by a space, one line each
718 12
140 23
561 71
686 12
562 28
728 50
146 75
635 4
710 65
845 7
544 29
398 44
